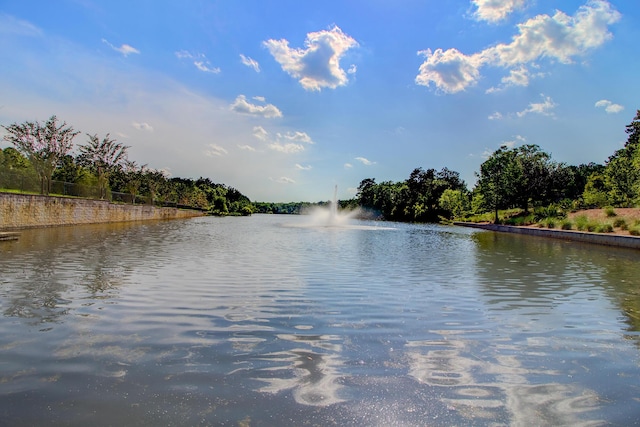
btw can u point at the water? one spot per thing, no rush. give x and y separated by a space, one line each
275 321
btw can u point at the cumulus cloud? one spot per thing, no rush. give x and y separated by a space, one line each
124 49
250 62
316 66
545 107
609 106
365 161
142 126
214 150
288 143
557 38
303 168
297 136
495 116
451 71
495 10
517 139
241 105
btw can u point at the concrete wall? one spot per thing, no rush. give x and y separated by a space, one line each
576 236
26 211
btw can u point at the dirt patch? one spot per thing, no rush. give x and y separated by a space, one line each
630 215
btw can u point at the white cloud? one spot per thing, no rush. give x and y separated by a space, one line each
124 49
517 139
545 107
199 60
205 66
260 133
303 168
142 126
318 65
260 98
365 161
496 116
609 106
348 165
215 150
297 136
283 180
352 69
451 71
250 62
495 10
14 26
241 105
287 148
246 147
559 37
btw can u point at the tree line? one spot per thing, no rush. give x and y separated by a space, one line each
44 152
521 177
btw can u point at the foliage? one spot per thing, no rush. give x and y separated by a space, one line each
44 145
418 198
102 157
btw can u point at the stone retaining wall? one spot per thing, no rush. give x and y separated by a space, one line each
28 211
576 236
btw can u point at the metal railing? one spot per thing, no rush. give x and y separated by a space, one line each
30 183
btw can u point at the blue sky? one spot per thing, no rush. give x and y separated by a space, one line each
283 100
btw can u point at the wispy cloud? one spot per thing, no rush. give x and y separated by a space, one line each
214 150
609 106
496 10
260 133
250 62
296 136
241 105
348 165
283 180
14 26
559 37
199 60
288 143
517 139
124 49
246 147
303 168
318 65
365 161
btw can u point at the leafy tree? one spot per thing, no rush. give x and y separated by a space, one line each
455 202
496 179
102 157
44 145
622 171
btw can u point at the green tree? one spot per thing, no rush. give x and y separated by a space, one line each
44 145
622 170
496 179
455 203
102 157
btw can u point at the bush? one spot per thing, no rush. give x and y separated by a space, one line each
581 222
634 231
620 223
609 211
566 225
604 228
591 227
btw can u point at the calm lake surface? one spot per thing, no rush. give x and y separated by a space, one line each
275 321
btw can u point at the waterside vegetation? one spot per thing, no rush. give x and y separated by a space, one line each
521 185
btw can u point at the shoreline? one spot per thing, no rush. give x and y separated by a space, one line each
615 240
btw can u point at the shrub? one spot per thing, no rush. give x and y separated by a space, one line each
566 225
634 231
604 228
591 226
581 222
609 211
550 222
620 223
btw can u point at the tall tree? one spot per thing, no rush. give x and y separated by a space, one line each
623 168
495 179
44 145
102 157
